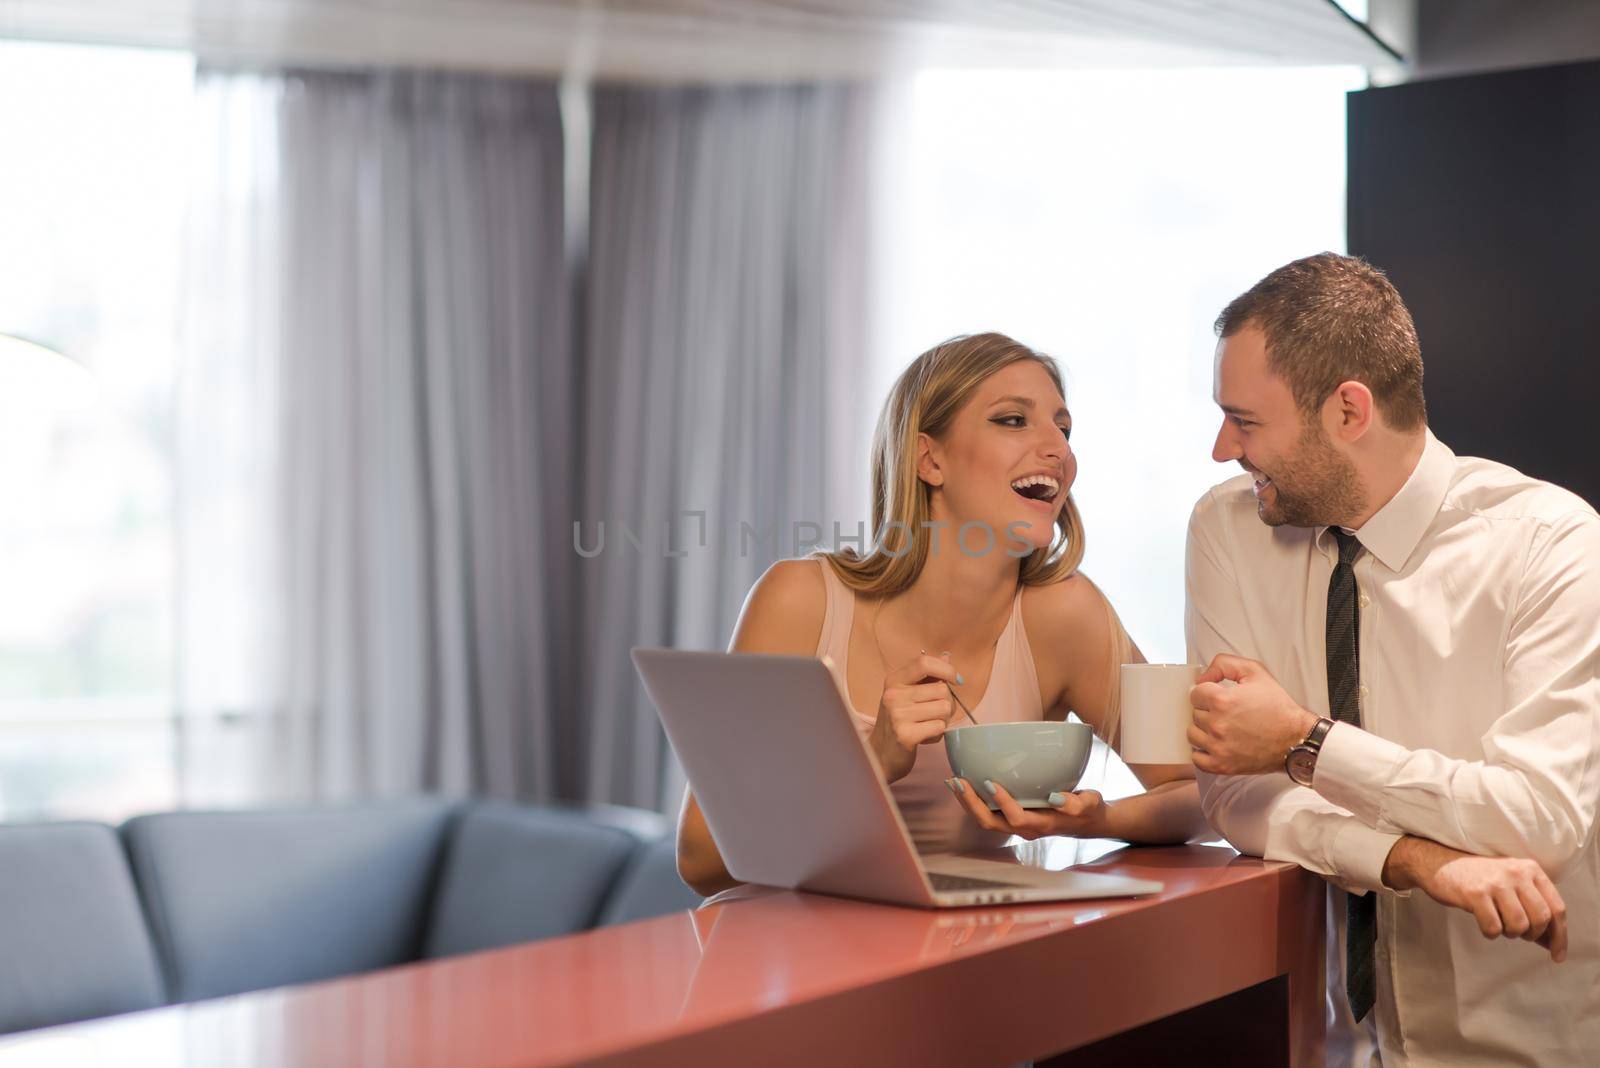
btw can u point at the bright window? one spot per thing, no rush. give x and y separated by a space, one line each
1106 217
92 198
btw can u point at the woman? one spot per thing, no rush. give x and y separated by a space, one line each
976 545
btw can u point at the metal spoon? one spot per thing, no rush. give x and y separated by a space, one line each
962 703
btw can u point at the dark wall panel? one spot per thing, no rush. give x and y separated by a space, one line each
1480 196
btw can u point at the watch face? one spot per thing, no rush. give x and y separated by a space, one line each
1301 763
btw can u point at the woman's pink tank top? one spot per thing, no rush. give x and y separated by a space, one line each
936 820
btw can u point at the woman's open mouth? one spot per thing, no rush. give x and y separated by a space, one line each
1038 489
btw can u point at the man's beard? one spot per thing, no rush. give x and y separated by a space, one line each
1326 489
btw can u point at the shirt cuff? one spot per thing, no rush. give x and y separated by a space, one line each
1358 856
1354 768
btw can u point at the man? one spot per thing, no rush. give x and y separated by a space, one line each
1403 690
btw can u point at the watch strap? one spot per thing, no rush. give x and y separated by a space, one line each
1314 740
1308 750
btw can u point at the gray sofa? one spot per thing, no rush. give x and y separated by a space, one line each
179 906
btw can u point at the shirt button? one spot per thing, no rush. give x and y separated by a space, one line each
1363 692
1365 600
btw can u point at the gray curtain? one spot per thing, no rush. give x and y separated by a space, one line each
391 427
726 336
427 405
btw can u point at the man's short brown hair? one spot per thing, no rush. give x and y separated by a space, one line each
1330 319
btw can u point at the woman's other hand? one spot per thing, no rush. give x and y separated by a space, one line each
1079 815
915 709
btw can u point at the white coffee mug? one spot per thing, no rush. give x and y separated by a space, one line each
1156 713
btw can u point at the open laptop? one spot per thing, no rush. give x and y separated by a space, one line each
794 798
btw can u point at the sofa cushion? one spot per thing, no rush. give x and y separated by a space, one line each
517 874
73 943
651 886
244 900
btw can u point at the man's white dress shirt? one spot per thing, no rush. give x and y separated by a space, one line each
1480 706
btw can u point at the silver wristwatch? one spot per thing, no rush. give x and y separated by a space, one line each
1301 763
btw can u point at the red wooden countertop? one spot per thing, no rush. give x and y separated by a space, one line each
783 978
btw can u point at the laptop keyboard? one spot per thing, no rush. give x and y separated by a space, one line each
962 882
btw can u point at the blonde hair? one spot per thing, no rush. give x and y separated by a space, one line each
925 400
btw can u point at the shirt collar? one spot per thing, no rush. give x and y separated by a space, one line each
1392 534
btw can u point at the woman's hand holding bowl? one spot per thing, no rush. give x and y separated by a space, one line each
1080 815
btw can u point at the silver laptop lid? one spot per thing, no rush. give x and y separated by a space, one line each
788 790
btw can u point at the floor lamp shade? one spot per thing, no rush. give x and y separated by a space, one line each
40 378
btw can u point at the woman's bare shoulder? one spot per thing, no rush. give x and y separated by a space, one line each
1070 610
1077 643
784 610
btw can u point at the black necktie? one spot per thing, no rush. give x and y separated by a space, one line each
1344 704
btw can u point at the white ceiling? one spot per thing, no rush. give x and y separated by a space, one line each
714 40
